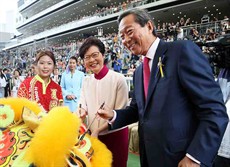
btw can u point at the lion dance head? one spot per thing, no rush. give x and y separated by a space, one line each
28 137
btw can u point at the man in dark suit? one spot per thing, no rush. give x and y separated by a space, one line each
8 81
181 113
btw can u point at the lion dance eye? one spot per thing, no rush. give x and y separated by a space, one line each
6 116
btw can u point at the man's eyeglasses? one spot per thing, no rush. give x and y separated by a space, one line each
93 55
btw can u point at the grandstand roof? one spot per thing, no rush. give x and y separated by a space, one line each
161 11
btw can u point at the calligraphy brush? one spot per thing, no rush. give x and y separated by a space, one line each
82 136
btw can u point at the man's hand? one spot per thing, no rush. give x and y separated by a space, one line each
106 113
187 162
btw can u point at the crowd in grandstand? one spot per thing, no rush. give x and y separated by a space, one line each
117 57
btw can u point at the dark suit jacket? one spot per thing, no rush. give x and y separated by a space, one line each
184 111
59 79
8 85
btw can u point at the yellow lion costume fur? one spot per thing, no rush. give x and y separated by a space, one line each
29 138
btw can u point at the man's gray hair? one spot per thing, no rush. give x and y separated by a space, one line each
141 17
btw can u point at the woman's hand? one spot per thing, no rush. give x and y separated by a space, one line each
95 133
81 113
69 97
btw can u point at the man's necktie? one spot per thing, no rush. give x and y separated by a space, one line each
146 72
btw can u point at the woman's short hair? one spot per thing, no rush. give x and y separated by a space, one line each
91 41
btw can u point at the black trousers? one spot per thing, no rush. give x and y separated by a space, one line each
221 162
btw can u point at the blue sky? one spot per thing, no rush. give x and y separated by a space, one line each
7 5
